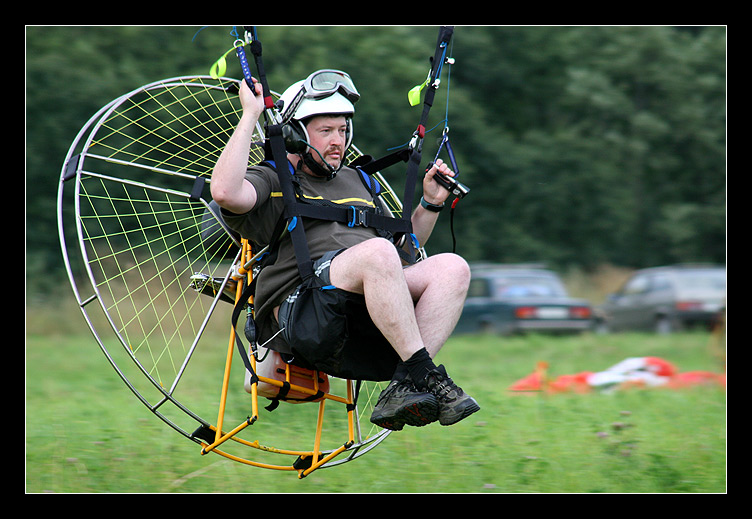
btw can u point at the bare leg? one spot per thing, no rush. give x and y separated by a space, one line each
373 268
438 286
414 307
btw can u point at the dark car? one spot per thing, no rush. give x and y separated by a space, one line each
666 299
509 299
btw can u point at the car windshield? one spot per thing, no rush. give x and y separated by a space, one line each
528 286
702 279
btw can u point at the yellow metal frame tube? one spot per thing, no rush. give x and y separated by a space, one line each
220 437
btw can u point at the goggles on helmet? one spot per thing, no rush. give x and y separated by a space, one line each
320 85
324 83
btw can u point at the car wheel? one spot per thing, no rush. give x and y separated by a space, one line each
601 327
487 327
664 325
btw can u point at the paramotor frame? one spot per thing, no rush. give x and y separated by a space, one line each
151 266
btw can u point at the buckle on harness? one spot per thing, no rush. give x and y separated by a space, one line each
357 216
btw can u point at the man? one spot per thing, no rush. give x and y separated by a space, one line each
383 320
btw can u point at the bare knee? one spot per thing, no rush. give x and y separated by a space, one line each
454 269
378 248
374 259
443 273
381 255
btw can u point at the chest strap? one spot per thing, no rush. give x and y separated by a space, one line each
352 215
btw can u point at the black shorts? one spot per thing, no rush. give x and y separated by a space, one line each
329 329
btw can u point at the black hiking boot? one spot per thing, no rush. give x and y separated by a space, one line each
402 404
454 404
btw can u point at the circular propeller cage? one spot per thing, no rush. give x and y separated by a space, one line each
155 274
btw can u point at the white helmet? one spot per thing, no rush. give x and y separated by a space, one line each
335 103
325 92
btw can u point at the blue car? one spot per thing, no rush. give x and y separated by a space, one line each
508 299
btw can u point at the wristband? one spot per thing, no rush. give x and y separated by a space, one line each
431 207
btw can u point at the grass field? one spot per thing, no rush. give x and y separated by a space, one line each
86 433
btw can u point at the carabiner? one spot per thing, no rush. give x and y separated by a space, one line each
450 152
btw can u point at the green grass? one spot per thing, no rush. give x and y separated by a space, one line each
85 432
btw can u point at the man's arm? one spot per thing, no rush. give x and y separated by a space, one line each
228 185
424 220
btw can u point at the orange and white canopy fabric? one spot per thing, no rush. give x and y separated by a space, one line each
631 372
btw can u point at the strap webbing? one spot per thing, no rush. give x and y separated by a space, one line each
294 210
370 166
295 226
445 35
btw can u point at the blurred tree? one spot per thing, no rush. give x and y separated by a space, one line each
581 145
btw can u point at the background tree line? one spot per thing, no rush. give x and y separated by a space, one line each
581 145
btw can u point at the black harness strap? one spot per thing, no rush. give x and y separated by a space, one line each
416 145
353 216
250 333
256 50
294 210
240 304
292 213
370 166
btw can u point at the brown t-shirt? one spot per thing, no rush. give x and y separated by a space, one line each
275 282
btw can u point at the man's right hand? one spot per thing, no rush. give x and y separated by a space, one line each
228 185
252 101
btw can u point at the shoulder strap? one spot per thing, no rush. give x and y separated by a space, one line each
293 210
295 226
